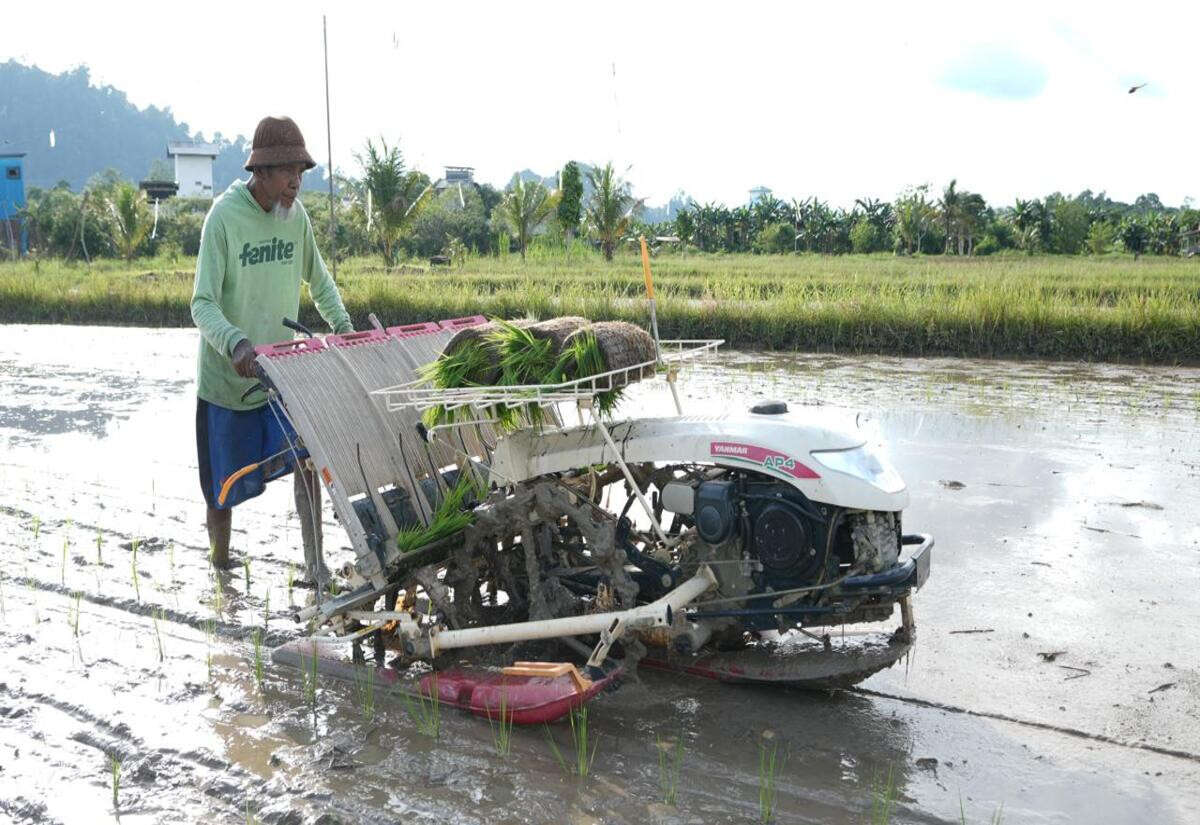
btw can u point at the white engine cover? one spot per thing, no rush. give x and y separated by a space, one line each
780 445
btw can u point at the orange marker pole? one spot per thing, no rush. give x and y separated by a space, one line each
650 295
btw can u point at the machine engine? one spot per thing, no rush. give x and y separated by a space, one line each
786 540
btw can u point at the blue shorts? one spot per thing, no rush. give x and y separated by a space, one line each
228 440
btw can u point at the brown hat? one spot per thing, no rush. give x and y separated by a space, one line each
277 141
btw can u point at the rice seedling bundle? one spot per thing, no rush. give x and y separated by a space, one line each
453 514
606 346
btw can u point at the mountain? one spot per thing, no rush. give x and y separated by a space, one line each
94 128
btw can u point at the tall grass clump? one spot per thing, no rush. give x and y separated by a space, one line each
501 728
154 617
74 614
114 767
137 588
582 755
670 760
364 691
426 710
883 797
769 765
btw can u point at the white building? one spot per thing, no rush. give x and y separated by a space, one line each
193 167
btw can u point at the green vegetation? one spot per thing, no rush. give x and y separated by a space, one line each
581 764
883 797
1107 308
73 614
246 568
451 516
502 733
670 760
769 766
425 710
364 691
155 615
99 546
133 571
63 570
114 766
256 640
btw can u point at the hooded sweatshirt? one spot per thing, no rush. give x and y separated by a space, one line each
248 278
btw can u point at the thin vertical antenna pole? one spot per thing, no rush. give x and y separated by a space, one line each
329 143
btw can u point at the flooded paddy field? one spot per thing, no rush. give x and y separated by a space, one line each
1055 674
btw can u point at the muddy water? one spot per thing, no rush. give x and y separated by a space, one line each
1063 499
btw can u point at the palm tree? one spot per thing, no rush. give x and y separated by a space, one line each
396 195
130 219
610 209
949 204
526 204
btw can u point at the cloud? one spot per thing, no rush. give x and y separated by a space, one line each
996 72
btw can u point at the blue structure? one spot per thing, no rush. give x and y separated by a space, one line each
12 201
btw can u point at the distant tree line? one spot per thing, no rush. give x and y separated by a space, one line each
957 222
400 213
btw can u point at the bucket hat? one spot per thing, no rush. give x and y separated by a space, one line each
277 140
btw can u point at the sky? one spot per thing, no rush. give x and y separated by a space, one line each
840 101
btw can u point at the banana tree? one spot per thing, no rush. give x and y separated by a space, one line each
130 219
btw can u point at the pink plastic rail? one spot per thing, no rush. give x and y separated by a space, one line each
459 323
294 347
413 330
350 339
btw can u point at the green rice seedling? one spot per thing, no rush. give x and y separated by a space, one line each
3 609
291 581
63 569
114 766
425 711
769 765
37 528
137 589
75 615
256 638
310 683
997 815
558 757
582 357
154 616
266 608
99 547
452 515
883 797
251 819
218 594
670 760
579 737
246 567
502 732
153 497
171 557
364 691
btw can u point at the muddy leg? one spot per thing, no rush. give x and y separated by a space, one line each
308 508
220 524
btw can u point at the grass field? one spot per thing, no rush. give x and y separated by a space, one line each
1111 308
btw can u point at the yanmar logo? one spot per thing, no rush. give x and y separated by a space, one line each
762 457
266 252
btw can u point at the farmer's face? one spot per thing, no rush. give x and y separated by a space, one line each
281 184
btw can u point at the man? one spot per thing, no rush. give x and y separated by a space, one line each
256 247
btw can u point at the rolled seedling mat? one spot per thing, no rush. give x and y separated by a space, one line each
482 336
621 345
557 330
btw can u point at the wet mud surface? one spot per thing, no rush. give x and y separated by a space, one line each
1055 672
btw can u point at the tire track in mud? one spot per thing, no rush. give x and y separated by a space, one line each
195 621
1029 723
227 783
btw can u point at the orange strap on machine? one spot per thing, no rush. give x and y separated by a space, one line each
233 479
646 268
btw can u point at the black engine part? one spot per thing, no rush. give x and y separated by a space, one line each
716 510
783 543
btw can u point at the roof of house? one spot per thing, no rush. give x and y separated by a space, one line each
187 147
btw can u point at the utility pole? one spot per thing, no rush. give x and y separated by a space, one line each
329 144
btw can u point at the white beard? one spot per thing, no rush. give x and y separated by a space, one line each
283 213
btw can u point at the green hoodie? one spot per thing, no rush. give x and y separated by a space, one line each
248 278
